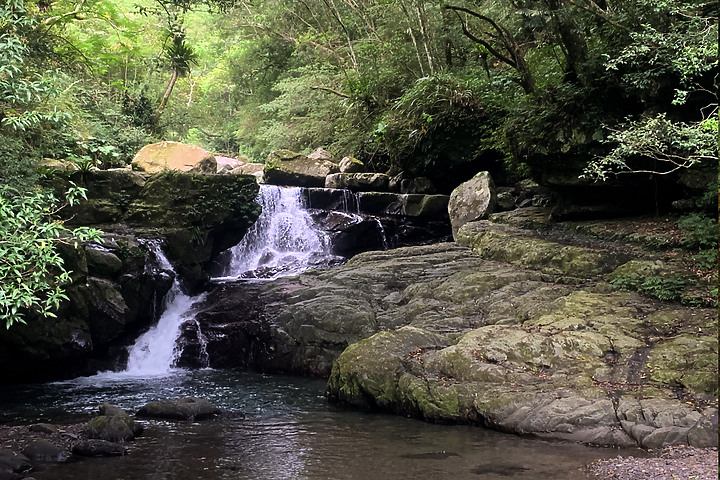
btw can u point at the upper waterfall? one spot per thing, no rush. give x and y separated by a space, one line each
283 241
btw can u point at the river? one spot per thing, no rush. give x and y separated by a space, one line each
280 427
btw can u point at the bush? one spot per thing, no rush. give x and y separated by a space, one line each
32 274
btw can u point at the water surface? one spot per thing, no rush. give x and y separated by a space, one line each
278 427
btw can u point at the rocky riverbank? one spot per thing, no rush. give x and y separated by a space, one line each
516 329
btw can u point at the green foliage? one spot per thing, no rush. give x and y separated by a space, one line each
438 123
32 275
655 145
668 289
701 233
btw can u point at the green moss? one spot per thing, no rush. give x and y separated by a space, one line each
686 361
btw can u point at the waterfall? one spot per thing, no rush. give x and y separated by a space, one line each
283 241
155 352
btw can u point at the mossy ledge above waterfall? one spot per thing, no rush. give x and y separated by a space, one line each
536 343
114 292
196 215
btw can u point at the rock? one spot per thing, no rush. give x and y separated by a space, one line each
45 451
109 410
57 164
180 409
197 215
322 154
505 199
423 186
109 193
527 189
528 218
43 428
521 335
254 169
102 262
566 262
114 428
12 462
351 165
395 182
417 205
157 157
367 372
226 163
98 448
358 182
472 200
284 167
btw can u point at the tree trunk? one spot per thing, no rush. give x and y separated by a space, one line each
168 91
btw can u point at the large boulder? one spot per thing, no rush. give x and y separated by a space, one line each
156 157
284 167
472 200
322 154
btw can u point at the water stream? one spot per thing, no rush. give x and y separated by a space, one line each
273 427
283 241
280 427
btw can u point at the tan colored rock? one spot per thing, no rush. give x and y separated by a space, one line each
226 164
322 154
156 157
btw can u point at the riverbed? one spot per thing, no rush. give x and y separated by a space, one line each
281 427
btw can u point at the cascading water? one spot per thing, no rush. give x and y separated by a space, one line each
155 352
283 241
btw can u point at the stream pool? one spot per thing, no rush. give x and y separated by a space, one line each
280 427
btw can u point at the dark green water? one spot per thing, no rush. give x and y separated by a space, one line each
278 427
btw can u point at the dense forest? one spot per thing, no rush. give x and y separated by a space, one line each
441 89
437 88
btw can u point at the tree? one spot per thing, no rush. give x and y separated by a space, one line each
180 57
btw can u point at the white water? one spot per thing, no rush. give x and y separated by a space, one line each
155 352
283 241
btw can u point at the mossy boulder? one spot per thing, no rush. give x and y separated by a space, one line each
162 156
367 372
109 193
197 215
114 428
563 261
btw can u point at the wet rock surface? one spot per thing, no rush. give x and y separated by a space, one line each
522 334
